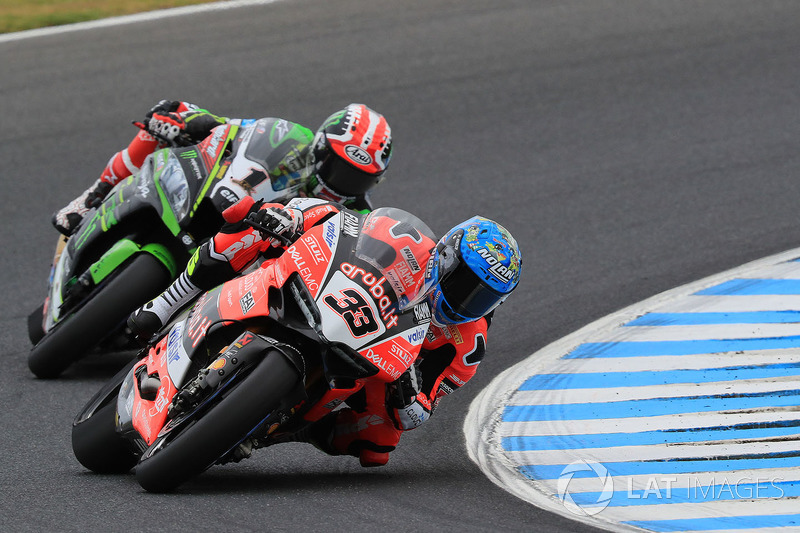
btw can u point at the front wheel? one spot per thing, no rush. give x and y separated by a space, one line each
97 445
176 458
135 284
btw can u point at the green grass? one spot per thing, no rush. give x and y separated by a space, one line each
18 15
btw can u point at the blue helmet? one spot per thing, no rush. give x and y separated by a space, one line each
474 268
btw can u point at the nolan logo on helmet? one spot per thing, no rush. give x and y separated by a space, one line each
500 271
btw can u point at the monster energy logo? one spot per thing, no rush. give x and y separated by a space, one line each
189 154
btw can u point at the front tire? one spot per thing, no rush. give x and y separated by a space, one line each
35 329
174 459
97 445
136 283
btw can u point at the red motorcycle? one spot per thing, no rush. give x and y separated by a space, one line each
265 355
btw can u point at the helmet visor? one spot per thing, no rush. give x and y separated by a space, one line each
464 292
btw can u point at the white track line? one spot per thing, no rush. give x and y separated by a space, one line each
130 19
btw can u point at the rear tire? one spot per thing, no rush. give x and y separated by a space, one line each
174 459
97 445
135 284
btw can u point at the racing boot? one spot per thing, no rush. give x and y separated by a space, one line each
69 217
335 437
155 314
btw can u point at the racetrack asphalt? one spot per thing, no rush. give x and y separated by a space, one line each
630 147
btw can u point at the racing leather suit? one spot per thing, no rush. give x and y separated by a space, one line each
198 125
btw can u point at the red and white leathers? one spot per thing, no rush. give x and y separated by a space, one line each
369 428
197 123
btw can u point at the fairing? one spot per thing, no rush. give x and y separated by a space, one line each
351 311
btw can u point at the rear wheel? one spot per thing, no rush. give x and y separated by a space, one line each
182 454
139 281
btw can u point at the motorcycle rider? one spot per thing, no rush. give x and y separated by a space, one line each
346 157
473 269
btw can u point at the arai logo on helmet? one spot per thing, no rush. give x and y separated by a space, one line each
358 154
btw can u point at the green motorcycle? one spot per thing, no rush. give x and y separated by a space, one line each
130 248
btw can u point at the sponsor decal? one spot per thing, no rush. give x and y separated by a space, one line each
416 415
417 336
358 155
245 340
401 353
302 269
381 363
445 388
247 302
196 170
246 241
143 189
315 212
498 270
330 234
281 129
314 248
219 363
422 313
454 332
350 226
189 154
457 380
429 267
376 289
408 255
228 195
213 143
173 343
401 277
161 401
197 326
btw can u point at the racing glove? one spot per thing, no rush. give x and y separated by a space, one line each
410 407
163 107
282 225
168 127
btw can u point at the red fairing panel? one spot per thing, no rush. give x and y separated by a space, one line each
149 416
